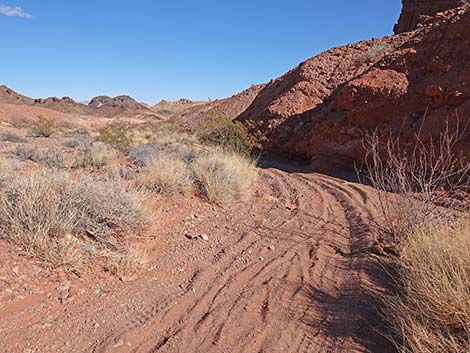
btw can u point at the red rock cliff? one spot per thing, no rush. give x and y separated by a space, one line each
409 82
413 10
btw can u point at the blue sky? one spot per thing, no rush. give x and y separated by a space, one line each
156 50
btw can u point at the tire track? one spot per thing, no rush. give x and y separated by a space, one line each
290 279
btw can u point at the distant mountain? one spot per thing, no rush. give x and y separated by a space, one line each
99 106
109 107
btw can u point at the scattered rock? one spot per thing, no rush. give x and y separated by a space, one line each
64 293
189 235
25 287
118 343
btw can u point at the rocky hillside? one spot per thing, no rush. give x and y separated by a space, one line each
414 11
7 95
170 108
232 107
408 82
322 108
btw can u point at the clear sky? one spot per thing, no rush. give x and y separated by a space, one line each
154 50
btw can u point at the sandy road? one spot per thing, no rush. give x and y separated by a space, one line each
289 273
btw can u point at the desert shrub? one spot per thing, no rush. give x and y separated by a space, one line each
143 155
6 169
43 211
376 51
93 154
106 207
81 132
229 135
224 176
116 136
20 122
127 260
416 186
26 152
432 312
42 128
33 208
181 151
167 175
72 143
119 172
51 156
11 137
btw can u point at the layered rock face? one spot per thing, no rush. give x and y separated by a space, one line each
408 83
413 10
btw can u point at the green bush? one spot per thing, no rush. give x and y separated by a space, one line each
230 135
116 136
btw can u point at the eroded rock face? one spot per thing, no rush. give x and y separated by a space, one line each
413 10
410 82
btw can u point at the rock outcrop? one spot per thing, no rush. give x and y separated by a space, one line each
410 82
229 108
64 105
110 107
415 11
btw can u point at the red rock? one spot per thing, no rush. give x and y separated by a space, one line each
433 91
322 108
414 11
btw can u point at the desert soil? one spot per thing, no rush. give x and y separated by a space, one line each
285 271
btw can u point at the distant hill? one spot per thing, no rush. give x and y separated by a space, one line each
103 106
170 108
7 95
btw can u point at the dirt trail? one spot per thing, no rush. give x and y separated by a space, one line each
287 273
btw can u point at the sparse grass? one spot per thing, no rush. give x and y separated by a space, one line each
51 156
42 128
25 152
376 51
427 226
93 154
128 260
33 208
182 151
6 169
46 212
107 207
224 176
72 143
119 172
432 311
11 137
80 132
167 175
143 155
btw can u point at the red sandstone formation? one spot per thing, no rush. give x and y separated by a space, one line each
414 10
